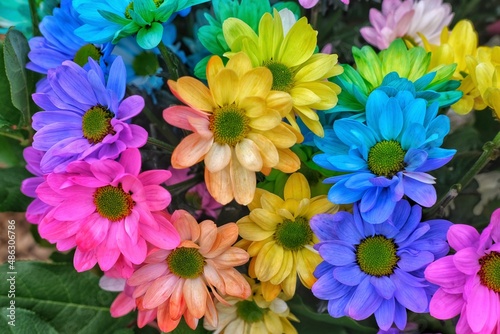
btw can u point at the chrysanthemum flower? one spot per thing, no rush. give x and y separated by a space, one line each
469 280
388 157
453 48
85 117
377 269
177 282
412 64
289 55
408 19
237 125
105 209
111 20
253 315
280 237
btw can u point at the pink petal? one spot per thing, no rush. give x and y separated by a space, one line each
178 116
156 176
165 237
467 261
74 209
444 305
478 307
106 170
84 260
131 225
130 159
157 197
107 257
147 273
122 305
495 224
444 273
159 291
462 236
134 252
92 233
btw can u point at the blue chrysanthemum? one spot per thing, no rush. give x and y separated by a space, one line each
59 42
85 117
377 269
388 157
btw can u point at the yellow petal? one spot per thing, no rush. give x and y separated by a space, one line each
270 291
214 66
257 246
287 268
265 219
281 136
298 45
268 151
249 155
256 82
302 96
255 203
225 87
290 283
269 261
253 106
320 204
317 67
239 63
251 231
268 121
234 31
243 181
307 262
219 185
270 35
217 157
289 161
195 94
273 323
297 187
271 202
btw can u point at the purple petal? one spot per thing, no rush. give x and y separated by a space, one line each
326 287
423 194
349 275
413 298
130 107
364 302
410 262
384 315
323 225
384 286
337 253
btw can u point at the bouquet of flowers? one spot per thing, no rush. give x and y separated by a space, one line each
252 166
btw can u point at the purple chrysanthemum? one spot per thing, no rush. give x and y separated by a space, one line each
377 269
85 117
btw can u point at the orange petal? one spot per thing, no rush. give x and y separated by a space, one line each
249 155
226 236
243 182
236 284
166 323
191 150
233 257
289 161
219 185
218 157
186 225
195 295
195 94
208 234
178 116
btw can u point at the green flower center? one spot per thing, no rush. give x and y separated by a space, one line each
145 64
131 7
294 234
86 51
489 274
186 262
249 311
229 124
282 76
376 256
96 124
386 158
113 203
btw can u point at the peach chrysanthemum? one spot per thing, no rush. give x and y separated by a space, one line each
237 127
183 281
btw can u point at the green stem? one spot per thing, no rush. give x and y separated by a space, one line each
22 141
34 17
490 152
161 144
170 60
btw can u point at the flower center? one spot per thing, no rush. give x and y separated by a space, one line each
86 51
282 76
489 274
294 234
113 203
249 311
145 64
386 158
229 124
131 7
186 262
96 124
376 256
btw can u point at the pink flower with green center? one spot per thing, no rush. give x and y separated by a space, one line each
469 280
105 209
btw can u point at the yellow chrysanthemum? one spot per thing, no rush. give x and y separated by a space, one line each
237 127
454 47
291 59
279 239
484 71
253 315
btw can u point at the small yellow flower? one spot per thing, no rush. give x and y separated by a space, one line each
279 239
290 56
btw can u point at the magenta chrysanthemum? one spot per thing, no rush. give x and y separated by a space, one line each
469 280
105 209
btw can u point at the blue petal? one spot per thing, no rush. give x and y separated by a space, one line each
414 113
347 163
346 229
400 216
382 210
384 315
364 302
414 261
354 133
384 286
322 269
322 161
336 307
51 134
406 218
338 253
400 316
349 275
369 199
374 106
433 164
324 226
359 181
383 182
413 137
415 158
413 298
424 81
340 194
431 113
440 126
117 79
327 287
417 234
330 143
423 194
391 120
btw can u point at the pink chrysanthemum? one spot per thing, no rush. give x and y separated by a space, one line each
105 209
469 280
183 281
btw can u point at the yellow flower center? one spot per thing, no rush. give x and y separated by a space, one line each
249 311
96 124
186 262
294 234
86 51
113 203
229 124
376 256
489 274
282 76
386 158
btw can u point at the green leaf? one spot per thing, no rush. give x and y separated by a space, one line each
12 152
15 52
183 328
19 321
68 301
11 198
9 115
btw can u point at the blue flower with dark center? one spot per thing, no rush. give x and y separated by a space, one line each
387 157
377 269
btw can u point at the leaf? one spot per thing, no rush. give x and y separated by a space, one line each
11 198
19 321
183 328
68 301
15 52
9 115
12 152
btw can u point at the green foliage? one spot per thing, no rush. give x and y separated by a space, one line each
67 301
183 328
26 321
11 198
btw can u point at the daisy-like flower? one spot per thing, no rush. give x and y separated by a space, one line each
408 19
85 117
105 209
176 282
253 315
111 20
287 50
388 157
377 269
279 239
469 280
237 125
412 64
